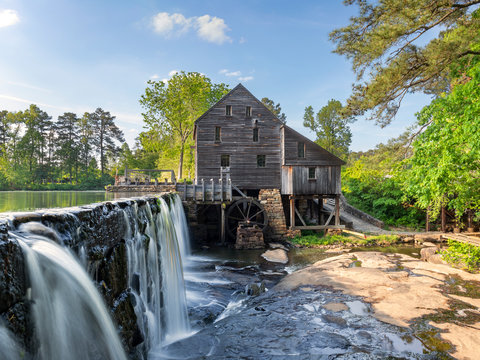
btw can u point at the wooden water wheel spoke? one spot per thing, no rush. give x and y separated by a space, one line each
239 212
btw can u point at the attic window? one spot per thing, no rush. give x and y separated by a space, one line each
261 161
218 133
248 111
228 110
255 134
301 150
311 173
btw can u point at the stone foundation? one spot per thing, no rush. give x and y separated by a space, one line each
271 199
249 237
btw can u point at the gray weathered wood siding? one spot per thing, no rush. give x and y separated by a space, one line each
237 141
295 180
315 155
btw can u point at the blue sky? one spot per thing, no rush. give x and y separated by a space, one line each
76 56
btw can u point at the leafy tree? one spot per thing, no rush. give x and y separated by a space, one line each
171 109
330 127
86 139
68 146
105 133
392 51
276 109
444 169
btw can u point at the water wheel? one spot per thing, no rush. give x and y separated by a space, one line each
246 210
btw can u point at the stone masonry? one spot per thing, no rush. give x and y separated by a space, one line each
277 227
249 237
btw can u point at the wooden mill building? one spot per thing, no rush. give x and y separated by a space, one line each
240 139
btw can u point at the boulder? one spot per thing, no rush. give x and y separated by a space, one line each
276 256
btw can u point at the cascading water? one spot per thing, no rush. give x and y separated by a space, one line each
71 321
155 272
8 348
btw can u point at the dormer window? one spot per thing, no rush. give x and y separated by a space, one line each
228 110
301 150
248 111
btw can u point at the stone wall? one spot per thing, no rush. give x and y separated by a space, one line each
160 188
277 230
100 230
249 237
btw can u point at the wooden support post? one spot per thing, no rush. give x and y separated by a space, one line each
221 190
337 210
444 219
229 182
319 211
185 189
292 212
213 190
222 224
203 190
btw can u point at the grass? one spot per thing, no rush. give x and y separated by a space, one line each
318 240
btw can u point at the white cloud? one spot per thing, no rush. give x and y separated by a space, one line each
242 40
226 72
209 28
167 25
154 77
245 78
8 17
212 29
173 72
165 81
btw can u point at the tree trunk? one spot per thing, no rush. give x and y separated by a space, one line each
180 162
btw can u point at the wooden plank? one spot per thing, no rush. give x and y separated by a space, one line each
319 227
462 238
300 216
292 212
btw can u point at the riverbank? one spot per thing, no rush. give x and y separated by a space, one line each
438 303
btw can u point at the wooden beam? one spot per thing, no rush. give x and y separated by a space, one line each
222 224
444 219
292 212
337 210
300 216
319 227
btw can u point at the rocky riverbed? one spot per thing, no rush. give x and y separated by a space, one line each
357 305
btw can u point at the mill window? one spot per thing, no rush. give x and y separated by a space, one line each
218 133
311 173
225 160
248 111
261 161
228 110
301 150
255 134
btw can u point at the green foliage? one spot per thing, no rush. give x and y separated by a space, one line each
393 52
318 240
330 127
465 256
170 111
445 169
276 109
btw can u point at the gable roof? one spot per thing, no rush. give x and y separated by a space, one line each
335 160
238 87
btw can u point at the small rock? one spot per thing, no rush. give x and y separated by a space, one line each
427 252
398 275
277 256
277 246
335 307
335 320
255 289
428 244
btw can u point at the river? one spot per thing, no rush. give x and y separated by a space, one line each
33 200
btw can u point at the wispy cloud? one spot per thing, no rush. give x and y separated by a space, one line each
245 78
8 17
237 74
28 86
172 72
154 77
27 101
209 28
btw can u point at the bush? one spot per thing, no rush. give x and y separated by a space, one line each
464 256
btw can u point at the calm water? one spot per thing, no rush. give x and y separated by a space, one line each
31 200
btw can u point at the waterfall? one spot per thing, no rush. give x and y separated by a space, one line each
71 320
8 347
155 272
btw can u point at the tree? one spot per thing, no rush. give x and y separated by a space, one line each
444 170
68 146
330 127
171 109
390 57
276 109
106 133
86 139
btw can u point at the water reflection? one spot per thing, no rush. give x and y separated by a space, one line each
32 200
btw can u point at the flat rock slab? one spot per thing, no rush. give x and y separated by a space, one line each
336 307
276 256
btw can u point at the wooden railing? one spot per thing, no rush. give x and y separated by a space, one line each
145 177
206 191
